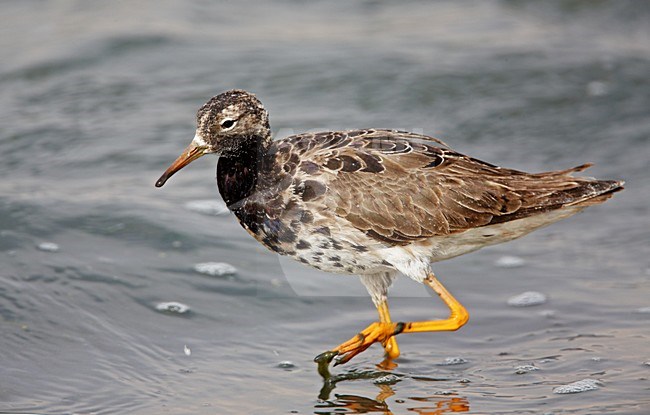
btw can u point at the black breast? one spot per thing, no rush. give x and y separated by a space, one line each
253 185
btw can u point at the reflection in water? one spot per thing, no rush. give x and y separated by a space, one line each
354 404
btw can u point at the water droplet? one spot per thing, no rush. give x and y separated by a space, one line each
509 261
527 299
48 247
583 385
215 269
172 307
207 207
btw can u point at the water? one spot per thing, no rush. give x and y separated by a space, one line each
98 98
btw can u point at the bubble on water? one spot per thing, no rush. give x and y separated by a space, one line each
209 207
583 385
643 310
215 269
527 299
48 247
596 359
520 370
187 350
451 361
386 380
286 364
597 89
509 261
172 307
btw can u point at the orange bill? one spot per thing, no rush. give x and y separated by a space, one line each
191 153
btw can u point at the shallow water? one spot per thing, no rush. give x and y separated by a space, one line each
97 99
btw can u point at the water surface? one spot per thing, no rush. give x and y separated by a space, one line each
98 98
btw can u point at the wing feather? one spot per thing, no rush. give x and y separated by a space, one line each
401 187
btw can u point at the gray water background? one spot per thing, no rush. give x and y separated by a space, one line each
97 98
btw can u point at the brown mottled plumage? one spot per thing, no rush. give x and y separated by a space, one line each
374 203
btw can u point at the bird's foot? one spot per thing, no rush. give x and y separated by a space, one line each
375 333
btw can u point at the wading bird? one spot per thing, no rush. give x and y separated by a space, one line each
374 203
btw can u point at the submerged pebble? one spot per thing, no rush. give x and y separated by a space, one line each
509 261
172 307
451 361
207 207
520 370
527 299
48 247
215 269
583 385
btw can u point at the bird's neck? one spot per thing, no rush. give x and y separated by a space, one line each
238 170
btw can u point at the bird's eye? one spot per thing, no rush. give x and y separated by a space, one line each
227 123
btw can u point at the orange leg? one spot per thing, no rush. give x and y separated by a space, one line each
390 345
384 330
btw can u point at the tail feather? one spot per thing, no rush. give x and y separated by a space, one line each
548 191
599 191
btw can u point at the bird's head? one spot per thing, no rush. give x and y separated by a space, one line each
224 124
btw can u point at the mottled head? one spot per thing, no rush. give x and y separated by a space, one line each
225 123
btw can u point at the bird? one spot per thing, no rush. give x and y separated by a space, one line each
375 203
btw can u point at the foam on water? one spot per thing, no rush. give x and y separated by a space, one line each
597 89
583 385
173 307
48 247
509 261
386 380
520 370
451 361
527 299
215 269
